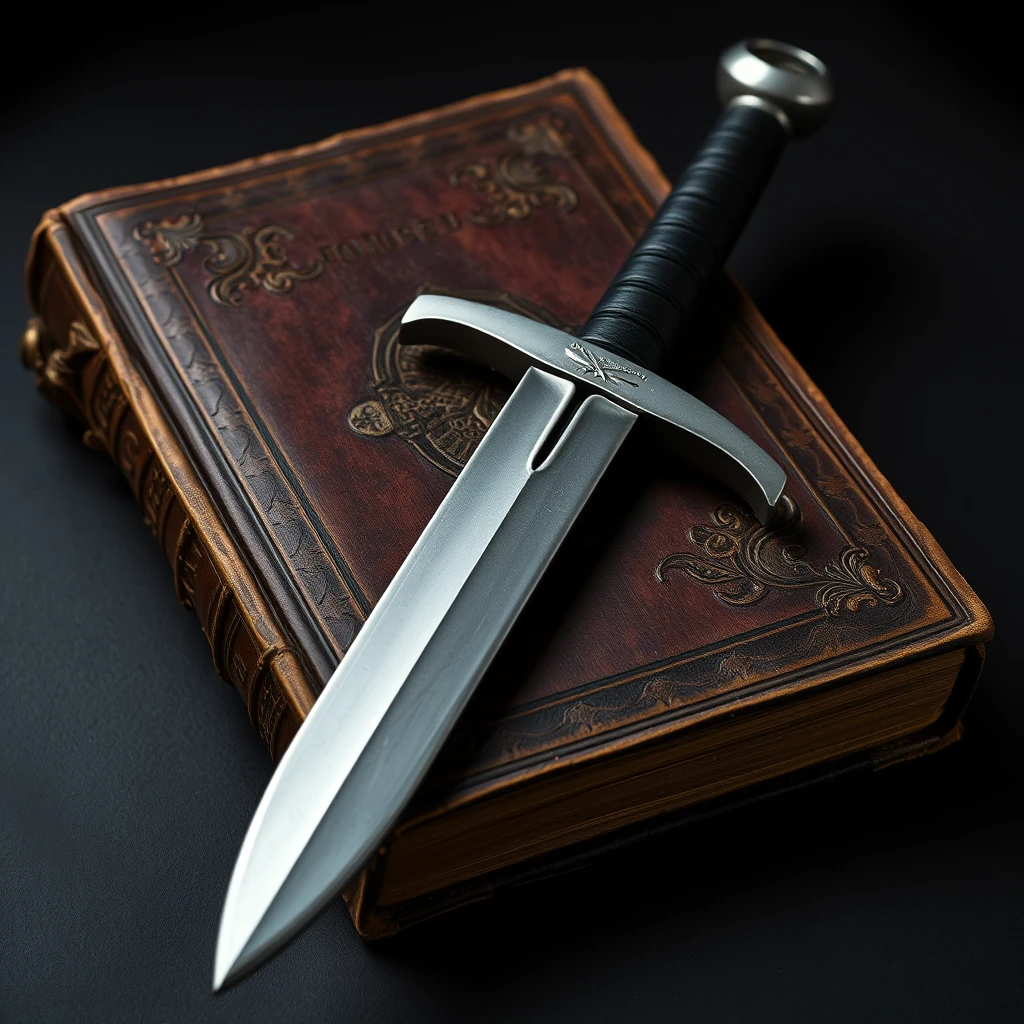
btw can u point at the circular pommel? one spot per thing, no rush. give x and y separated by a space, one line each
789 83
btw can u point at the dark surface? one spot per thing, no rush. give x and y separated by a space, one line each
886 255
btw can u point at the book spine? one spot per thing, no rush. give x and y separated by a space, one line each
83 367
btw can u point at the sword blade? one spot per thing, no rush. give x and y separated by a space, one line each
386 711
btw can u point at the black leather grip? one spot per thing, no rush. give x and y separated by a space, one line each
646 309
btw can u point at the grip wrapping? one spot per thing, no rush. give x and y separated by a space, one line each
646 309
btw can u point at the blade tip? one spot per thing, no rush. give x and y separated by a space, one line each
230 963
227 974
221 973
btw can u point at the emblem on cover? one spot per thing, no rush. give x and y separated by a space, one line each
435 400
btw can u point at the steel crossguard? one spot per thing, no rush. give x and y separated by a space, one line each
514 346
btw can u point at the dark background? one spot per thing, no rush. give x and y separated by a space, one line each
886 254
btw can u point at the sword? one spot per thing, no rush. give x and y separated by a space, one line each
385 713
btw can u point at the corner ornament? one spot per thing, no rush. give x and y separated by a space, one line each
743 560
239 261
518 182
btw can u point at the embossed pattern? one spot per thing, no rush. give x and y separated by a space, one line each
438 402
238 261
319 579
519 181
742 561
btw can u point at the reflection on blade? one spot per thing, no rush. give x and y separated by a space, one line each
387 710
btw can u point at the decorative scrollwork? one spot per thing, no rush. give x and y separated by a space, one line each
516 183
171 238
742 560
238 261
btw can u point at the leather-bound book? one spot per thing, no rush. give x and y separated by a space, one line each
229 338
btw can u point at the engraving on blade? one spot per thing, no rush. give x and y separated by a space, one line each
351 769
510 343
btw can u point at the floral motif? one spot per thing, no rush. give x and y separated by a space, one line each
170 239
518 182
742 560
239 262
